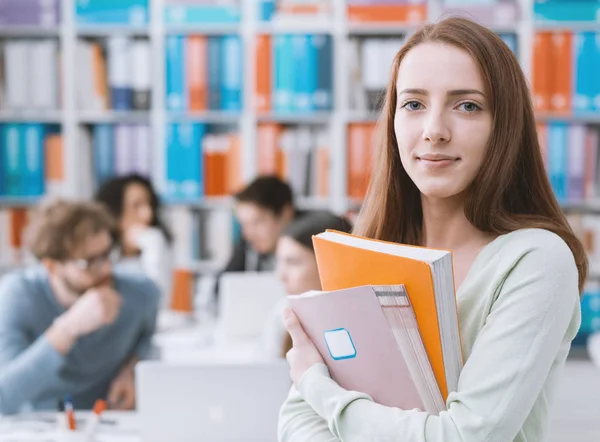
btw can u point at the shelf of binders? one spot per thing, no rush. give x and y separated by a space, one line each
28 115
310 118
106 30
357 116
589 206
207 29
112 116
208 117
18 31
584 118
368 29
574 26
294 27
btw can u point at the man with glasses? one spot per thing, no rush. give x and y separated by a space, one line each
73 325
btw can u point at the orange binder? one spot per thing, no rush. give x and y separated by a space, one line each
542 71
386 13
563 65
197 73
263 73
342 266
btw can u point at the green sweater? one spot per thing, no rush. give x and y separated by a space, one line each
519 310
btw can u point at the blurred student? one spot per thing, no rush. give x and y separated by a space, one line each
72 325
297 269
264 209
143 239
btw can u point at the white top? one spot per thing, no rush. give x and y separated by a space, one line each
154 261
518 309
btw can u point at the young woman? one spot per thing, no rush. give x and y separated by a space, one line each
459 167
144 241
296 267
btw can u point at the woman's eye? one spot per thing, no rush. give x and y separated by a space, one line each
469 107
412 105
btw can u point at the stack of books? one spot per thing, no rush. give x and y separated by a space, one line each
386 323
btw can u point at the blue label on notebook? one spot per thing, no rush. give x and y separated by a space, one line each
340 344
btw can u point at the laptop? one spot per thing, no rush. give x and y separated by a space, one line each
246 302
216 402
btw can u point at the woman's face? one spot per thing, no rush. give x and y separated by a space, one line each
443 120
137 207
296 267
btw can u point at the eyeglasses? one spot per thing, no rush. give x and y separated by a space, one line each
96 262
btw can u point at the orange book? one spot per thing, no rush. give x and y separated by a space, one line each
18 222
562 67
182 293
359 158
209 171
197 73
234 165
263 73
542 71
54 158
268 152
100 76
387 13
54 164
346 261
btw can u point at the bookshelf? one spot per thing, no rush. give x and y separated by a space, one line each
247 121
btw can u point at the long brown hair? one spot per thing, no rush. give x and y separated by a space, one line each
511 190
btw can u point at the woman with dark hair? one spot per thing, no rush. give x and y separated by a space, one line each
144 241
296 267
458 167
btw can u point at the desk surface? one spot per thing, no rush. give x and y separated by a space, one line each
115 426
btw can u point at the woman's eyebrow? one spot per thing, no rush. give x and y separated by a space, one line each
451 93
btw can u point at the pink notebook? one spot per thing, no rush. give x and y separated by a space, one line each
356 340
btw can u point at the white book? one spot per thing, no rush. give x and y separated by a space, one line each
17 72
119 62
43 60
83 75
141 78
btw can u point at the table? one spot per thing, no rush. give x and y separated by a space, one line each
115 426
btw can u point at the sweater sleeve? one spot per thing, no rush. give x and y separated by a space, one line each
27 367
534 317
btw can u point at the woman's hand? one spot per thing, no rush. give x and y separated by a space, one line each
303 354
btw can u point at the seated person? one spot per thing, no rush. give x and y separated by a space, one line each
72 325
143 239
297 270
264 208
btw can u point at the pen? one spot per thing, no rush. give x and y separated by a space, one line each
91 426
70 414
